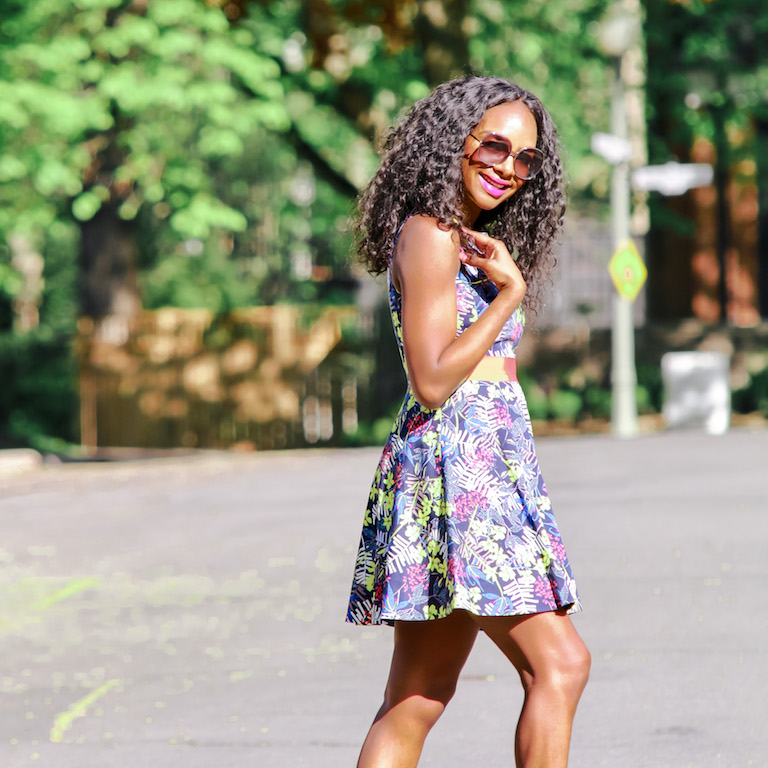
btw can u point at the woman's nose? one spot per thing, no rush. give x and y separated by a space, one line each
506 167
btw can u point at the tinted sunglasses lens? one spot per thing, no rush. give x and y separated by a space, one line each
528 164
492 151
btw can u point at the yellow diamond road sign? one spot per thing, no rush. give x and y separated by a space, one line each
627 270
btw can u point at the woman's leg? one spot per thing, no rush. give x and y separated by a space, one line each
426 662
553 664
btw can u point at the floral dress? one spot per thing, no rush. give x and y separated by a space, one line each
458 514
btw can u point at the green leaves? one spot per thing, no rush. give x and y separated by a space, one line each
181 13
259 74
10 280
169 86
56 177
11 168
205 213
333 138
129 34
219 142
86 206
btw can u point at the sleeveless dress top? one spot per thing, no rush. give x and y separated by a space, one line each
458 514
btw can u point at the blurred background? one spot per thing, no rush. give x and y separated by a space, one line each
177 177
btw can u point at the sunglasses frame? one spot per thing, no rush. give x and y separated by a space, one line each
514 155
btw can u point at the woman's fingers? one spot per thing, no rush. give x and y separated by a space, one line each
469 244
470 256
482 243
492 256
478 247
476 233
481 238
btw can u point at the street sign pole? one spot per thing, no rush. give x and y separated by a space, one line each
623 373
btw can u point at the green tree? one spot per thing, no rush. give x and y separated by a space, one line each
114 108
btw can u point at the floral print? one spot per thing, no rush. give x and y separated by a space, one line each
458 514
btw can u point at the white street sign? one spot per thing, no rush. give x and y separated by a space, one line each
612 148
672 178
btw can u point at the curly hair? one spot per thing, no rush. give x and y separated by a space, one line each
421 172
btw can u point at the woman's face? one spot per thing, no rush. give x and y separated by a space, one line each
486 187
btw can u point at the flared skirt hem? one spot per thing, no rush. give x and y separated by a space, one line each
390 619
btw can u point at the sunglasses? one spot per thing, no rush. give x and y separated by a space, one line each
495 149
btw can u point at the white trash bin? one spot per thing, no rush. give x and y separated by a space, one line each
697 391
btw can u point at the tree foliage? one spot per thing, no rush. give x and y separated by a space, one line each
134 103
706 57
115 110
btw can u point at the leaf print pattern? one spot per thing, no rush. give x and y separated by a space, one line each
458 514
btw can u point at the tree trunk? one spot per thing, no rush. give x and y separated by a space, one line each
761 156
439 28
109 287
723 213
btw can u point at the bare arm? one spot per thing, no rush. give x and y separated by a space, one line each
424 271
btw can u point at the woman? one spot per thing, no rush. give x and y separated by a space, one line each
459 535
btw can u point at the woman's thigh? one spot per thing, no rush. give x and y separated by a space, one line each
540 644
428 656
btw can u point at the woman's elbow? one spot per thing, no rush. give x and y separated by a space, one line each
430 395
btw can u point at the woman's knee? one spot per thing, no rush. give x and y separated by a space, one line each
571 669
581 665
417 710
431 694
567 671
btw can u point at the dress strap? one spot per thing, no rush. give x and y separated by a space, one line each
399 229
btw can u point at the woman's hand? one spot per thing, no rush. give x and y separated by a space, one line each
494 258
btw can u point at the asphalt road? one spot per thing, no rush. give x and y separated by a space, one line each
189 611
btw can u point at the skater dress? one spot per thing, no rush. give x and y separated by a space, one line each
458 514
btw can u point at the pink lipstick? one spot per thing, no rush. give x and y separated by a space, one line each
495 188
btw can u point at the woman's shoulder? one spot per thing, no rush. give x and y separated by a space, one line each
425 245
421 232
425 225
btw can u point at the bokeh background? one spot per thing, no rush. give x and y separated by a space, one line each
177 177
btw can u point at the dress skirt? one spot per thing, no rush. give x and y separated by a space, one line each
459 517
